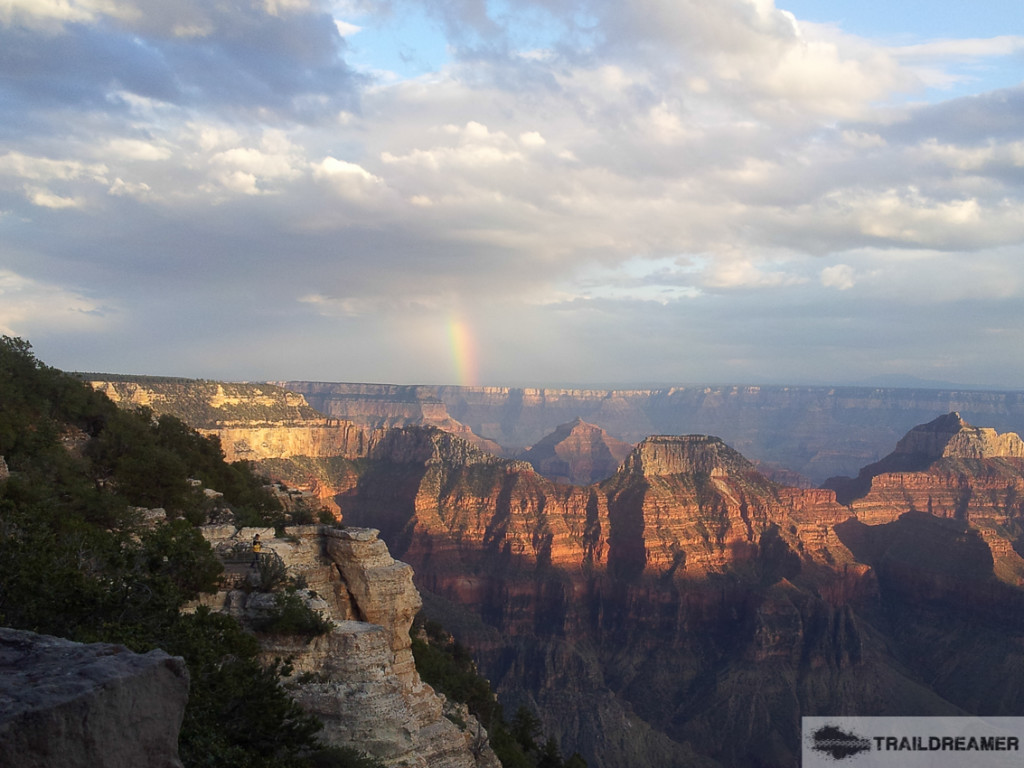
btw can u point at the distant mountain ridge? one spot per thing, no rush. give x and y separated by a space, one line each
817 432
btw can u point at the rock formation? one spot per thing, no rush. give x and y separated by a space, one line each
207 404
817 432
577 453
69 705
948 446
687 608
360 678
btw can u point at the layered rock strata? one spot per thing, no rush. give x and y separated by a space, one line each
603 605
687 611
265 421
817 432
360 678
69 705
946 467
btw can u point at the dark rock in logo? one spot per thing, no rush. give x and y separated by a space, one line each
837 743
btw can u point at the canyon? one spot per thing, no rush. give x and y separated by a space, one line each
687 609
816 432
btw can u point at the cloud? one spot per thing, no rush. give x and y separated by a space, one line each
840 276
649 189
276 57
29 307
350 180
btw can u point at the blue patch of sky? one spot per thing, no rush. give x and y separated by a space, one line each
406 42
913 22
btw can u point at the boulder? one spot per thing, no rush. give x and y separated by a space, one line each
71 705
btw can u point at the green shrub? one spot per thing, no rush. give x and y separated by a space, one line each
291 616
271 572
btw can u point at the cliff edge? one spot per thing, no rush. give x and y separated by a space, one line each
359 678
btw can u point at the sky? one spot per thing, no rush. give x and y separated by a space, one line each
516 192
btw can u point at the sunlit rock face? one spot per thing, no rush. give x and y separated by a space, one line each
360 678
203 403
947 468
577 453
387 406
74 705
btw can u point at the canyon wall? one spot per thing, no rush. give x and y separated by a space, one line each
688 611
817 432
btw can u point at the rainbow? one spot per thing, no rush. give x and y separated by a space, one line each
463 352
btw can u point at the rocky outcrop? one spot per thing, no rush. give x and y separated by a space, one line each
685 455
360 678
389 406
931 469
951 437
69 705
606 601
577 453
207 404
687 609
324 439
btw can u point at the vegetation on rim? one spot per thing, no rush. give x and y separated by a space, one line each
77 559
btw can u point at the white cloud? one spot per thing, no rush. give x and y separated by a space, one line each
349 180
135 149
746 273
862 140
970 48
122 188
44 198
255 171
29 306
531 139
51 15
345 29
280 7
667 164
839 276
47 169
